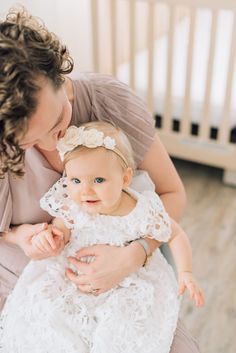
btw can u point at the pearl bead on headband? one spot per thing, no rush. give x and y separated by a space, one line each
92 138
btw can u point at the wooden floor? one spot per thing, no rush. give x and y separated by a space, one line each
210 221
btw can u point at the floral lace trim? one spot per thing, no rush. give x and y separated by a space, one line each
148 218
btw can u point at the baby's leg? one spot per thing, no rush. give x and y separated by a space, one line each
123 334
55 335
125 324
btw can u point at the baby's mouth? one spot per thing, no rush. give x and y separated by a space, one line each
92 201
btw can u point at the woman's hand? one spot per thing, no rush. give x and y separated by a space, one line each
22 236
111 264
187 281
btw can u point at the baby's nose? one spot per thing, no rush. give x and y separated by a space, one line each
87 189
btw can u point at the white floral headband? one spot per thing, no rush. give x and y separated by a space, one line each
78 136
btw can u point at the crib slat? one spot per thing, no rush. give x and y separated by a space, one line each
224 128
113 12
168 100
132 39
185 119
150 40
95 34
205 118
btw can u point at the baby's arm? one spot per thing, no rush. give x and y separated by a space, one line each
53 239
59 224
182 253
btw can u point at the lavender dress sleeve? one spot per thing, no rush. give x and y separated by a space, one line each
6 204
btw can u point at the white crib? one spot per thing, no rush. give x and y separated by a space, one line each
179 55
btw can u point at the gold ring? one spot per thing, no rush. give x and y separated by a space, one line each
93 290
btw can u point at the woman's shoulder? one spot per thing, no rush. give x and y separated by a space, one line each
91 78
99 92
94 83
6 204
107 87
103 97
96 97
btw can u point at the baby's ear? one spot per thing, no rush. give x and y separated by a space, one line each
128 176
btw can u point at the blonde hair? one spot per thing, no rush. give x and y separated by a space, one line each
123 146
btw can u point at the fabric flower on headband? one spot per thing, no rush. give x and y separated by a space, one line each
78 136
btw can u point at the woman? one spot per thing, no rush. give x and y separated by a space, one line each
37 104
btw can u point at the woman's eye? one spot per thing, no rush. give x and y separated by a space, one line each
75 181
99 180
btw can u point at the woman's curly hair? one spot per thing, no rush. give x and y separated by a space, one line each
28 51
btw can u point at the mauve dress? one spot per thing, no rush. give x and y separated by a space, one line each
96 97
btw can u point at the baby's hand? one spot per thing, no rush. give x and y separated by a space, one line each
50 241
187 281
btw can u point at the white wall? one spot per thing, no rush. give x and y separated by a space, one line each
69 19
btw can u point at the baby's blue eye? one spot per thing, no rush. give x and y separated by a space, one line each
75 181
99 180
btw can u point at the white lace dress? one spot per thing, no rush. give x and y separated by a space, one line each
46 313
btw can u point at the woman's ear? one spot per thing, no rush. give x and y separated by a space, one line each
128 176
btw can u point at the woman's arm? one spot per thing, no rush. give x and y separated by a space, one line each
166 179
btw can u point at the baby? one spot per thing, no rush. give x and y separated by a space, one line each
93 203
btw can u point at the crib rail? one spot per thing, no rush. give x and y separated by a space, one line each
184 143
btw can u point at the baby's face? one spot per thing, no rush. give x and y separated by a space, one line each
96 180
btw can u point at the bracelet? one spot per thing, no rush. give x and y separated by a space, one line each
146 248
2 233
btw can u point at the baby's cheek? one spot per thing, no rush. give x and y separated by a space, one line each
71 192
74 196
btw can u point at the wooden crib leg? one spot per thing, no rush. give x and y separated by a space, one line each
229 177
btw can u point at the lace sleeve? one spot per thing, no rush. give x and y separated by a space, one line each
57 203
157 224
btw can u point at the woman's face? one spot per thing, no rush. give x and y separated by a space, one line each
50 120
